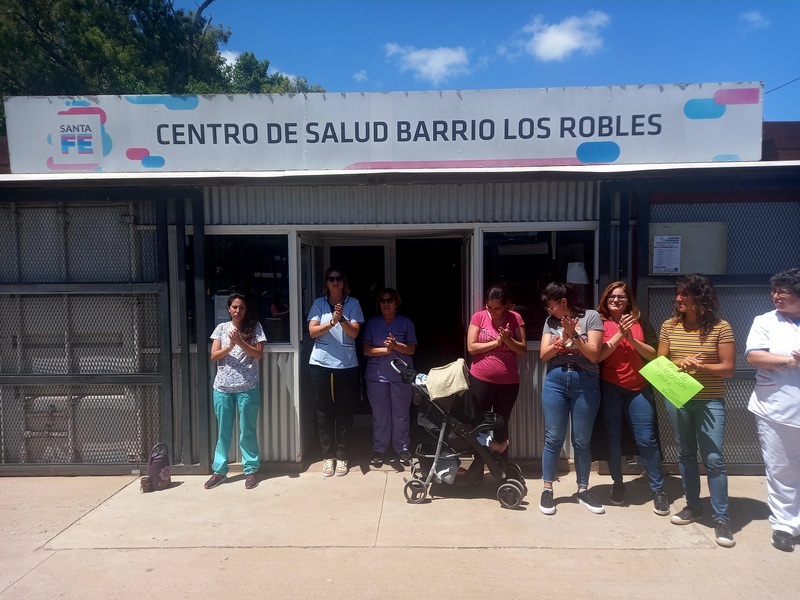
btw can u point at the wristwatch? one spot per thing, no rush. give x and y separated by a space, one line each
577 336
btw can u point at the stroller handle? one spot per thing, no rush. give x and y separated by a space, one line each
399 365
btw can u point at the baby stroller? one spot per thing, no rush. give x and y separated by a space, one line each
455 439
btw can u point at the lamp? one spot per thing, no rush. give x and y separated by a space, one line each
576 273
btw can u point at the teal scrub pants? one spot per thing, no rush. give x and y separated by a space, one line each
225 404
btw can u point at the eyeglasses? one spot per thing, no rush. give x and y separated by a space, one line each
552 307
385 300
333 278
620 297
780 293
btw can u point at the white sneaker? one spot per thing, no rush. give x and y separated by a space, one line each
327 467
341 468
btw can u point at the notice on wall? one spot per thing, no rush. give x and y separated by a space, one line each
688 247
676 386
667 254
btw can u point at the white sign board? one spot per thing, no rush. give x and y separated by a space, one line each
413 130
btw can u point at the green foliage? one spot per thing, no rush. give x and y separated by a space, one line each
88 47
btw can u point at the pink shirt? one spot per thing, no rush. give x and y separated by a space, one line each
499 365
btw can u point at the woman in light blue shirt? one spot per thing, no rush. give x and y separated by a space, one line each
334 322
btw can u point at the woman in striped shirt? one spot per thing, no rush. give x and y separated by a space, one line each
701 344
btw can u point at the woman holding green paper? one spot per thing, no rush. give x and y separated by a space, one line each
701 344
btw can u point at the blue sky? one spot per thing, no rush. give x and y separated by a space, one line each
377 45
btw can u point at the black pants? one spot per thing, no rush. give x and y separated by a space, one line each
336 395
496 397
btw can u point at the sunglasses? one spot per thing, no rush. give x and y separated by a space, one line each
333 278
385 300
620 297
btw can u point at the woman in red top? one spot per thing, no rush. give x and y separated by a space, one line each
495 337
624 390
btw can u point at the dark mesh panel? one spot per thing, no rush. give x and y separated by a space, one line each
80 334
79 424
80 243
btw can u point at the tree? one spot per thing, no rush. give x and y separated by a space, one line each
88 47
251 76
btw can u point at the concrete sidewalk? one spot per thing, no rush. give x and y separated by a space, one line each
304 536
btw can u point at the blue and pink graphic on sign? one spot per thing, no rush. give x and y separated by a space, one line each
143 155
80 139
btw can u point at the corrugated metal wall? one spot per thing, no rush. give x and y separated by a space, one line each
401 204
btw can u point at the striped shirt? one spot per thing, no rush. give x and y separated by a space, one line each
683 343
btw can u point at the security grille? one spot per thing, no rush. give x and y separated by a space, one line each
78 424
79 334
77 243
80 360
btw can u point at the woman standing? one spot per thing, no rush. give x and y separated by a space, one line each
624 390
773 347
386 337
333 323
701 344
496 336
237 346
571 343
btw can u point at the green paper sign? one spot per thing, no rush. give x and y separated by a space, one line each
676 386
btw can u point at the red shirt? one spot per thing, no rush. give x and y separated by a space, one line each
622 365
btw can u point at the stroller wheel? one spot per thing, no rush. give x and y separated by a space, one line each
520 486
514 472
509 495
415 491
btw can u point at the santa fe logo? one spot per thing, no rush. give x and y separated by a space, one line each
79 140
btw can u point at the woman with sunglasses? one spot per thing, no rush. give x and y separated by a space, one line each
773 347
625 391
496 336
386 337
333 323
700 343
571 342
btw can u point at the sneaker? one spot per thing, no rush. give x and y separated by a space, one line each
546 504
214 481
341 468
617 494
250 481
783 540
327 467
661 503
405 458
723 535
591 502
376 460
687 515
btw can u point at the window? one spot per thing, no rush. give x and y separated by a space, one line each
255 264
526 261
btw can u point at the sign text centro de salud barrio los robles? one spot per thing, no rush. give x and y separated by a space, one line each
707 122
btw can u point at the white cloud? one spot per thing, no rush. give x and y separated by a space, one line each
361 75
557 41
229 57
430 64
753 20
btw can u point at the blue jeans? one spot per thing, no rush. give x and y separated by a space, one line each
225 404
638 408
701 424
569 392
